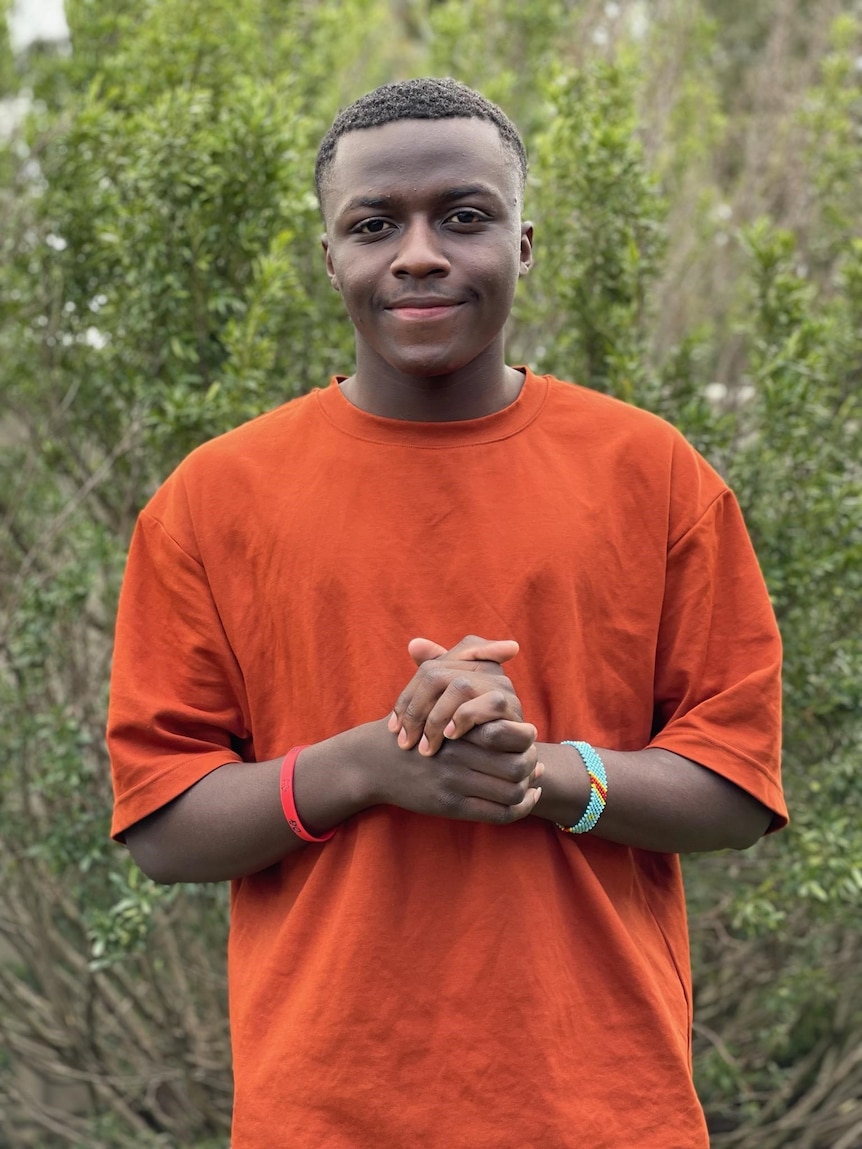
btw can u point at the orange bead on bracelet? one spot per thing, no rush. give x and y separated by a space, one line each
288 803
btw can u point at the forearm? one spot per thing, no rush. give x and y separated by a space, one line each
231 823
656 801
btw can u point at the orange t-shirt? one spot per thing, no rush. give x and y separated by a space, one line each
419 981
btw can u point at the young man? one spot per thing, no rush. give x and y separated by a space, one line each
421 952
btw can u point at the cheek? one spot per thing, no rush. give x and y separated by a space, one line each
357 281
357 296
500 281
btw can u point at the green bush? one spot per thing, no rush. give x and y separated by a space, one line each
161 280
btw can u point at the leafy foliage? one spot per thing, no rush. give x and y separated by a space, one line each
603 219
160 281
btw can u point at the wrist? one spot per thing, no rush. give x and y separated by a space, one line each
360 752
288 799
595 768
565 783
344 768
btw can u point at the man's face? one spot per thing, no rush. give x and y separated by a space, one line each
425 242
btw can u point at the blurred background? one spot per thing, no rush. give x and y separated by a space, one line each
696 192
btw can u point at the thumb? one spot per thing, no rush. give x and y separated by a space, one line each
423 649
470 649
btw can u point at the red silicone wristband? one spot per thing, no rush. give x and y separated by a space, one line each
288 803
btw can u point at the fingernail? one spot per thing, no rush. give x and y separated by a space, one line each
424 745
449 730
403 739
540 770
393 722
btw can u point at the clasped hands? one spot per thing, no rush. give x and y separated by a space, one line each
469 752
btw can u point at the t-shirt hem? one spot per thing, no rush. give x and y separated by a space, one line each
150 796
745 772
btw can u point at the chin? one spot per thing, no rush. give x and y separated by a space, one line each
426 363
427 369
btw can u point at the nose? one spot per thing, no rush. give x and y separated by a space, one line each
420 252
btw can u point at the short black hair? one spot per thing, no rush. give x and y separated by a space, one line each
427 98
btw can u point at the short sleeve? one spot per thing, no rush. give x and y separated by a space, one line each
718 665
177 708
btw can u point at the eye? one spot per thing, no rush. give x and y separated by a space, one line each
467 217
375 226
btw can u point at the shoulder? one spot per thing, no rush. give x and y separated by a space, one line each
628 445
235 475
259 438
261 443
605 415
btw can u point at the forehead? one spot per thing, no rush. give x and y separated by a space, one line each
415 158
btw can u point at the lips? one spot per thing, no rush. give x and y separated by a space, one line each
423 307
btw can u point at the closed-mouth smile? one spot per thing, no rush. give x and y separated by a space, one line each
429 307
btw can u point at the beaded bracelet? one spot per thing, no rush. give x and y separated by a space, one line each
598 789
288 803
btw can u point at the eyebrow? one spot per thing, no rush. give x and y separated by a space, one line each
381 202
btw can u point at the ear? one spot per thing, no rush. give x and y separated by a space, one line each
327 254
526 247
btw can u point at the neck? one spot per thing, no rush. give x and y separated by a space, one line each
482 387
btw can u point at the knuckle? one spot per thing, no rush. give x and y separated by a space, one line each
498 702
446 757
412 712
520 768
514 793
461 684
449 801
516 774
439 677
518 795
514 706
487 734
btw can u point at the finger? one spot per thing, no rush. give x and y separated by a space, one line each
503 736
492 706
421 649
426 688
463 784
458 710
471 654
472 648
457 760
456 695
406 699
495 813
469 649
445 685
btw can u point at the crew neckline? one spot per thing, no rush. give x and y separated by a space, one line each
359 424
